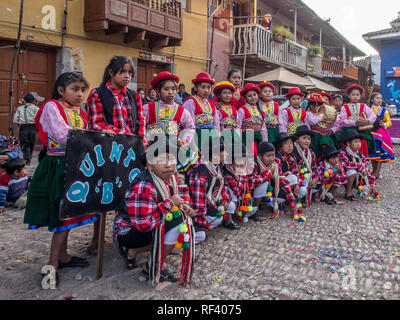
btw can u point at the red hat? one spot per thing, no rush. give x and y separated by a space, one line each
203 77
250 87
163 76
266 84
315 97
355 86
224 85
293 91
326 94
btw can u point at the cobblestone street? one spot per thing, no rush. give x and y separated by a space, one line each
341 252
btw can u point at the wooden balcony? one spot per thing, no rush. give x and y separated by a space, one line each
160 21
261 45
335 69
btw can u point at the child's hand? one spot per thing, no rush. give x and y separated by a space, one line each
187 210
2 210
313 183
181 179
296 190
177 200
109 132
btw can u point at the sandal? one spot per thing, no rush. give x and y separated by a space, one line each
75 262
165 275
350 198
258 218
231 226
92 249
130 264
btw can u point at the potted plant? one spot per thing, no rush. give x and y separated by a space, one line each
281 34
314 51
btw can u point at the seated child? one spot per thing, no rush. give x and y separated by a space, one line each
13 184
154 217
276 188
331 174
305 159
240 183
285 160
355 165
207 188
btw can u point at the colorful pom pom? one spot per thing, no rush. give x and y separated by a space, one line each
302 171
331 172
174 208
240 214
269 194
179 245
176 214
248 195
183 228
169 217
334 170
245 219
328 186
181 238
250 208
218 215
185 245
306 175
326 174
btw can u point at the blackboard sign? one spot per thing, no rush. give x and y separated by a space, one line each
99 169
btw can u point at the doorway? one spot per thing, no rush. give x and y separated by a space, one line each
146 72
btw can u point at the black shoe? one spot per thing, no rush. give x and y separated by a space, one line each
350 198
75 262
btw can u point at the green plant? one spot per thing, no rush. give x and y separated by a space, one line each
284 32
314 50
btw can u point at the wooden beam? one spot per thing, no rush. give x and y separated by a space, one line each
176 43
100 248
96 25
157 43
116 29
135 36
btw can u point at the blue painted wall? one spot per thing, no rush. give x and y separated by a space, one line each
390 86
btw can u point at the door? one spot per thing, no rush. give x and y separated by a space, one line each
34 71
146 72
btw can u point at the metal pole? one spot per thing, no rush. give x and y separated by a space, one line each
11 94
320 37
295 25
64 31
245 50
211 46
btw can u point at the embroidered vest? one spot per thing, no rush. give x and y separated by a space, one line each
254 118
229 117
354 111
320 127
164 119
295 119
204 113
73 116
270 110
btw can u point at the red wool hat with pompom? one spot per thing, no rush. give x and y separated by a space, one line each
316 97
164 75
250 87
267 84
293 91
326 94
354 86
203 77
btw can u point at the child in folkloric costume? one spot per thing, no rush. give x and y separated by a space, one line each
251 119
305 158
356 167
202 109
293 117
54 120
383 140
270 109
358 116
210 197
323 130
331 174
223 92
154 217
165 117
276 188
235 77
284 146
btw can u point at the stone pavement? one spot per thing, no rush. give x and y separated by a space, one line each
341 252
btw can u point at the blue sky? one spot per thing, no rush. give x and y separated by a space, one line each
353 18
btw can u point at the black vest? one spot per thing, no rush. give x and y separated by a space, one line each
108 103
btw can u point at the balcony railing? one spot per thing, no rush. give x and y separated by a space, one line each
260 42
335 69
160 21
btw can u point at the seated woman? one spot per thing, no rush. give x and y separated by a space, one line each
154 217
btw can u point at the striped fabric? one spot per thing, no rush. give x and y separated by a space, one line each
11 188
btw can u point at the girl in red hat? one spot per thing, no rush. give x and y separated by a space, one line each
223 92
293 117
356 115
324 131
270 109
251 117
384 147
235 77
202 109
165 116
